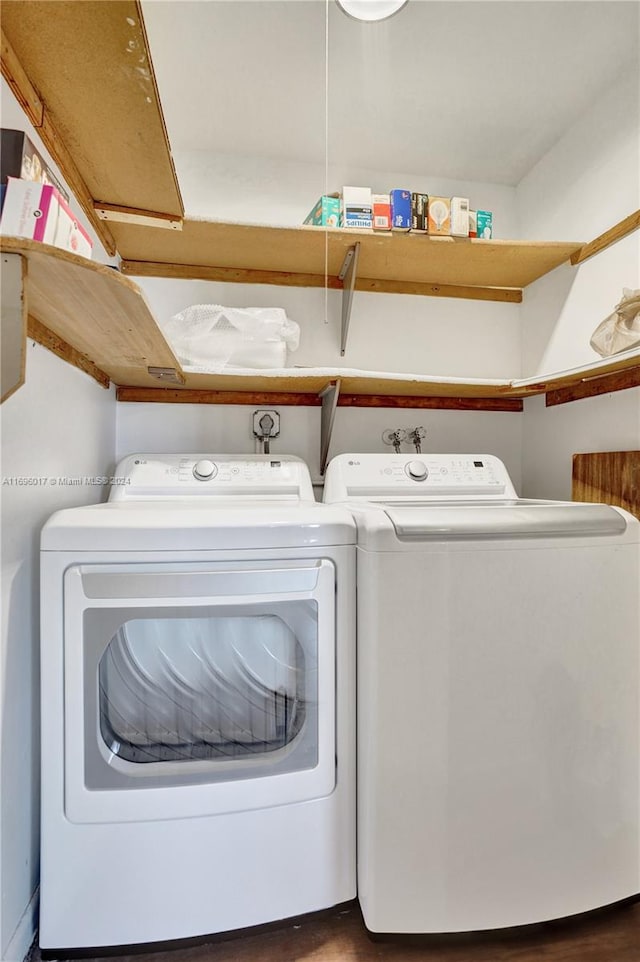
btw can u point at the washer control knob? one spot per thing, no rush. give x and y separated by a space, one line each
204 470
417 470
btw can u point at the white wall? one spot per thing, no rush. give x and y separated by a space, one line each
552 435
60 423
588 182
388 332
265 190
216 428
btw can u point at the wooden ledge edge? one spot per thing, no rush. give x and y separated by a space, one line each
615 233
593 386
272 398
132 215
244 275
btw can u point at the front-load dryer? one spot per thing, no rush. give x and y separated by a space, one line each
198 770
498 696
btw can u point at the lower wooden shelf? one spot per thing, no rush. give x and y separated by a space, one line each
99 320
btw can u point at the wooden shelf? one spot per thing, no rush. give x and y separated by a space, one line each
398 263
85 75
100 321
97 312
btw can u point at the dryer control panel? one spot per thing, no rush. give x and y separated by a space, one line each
377 477
147 477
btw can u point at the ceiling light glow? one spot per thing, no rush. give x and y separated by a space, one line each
371 10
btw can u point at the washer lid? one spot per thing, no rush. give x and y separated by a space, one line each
519 518
186 525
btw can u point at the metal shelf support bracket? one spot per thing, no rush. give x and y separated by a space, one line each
329 397
348 274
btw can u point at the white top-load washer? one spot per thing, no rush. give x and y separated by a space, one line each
498 696
198 646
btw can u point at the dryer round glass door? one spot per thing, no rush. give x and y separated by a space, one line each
198 689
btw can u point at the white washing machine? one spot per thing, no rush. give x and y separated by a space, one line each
498 696
198 677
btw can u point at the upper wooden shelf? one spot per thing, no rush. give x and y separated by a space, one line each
312 256
84 74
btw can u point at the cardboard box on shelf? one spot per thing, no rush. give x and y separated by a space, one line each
19 158
440 215
381 212
460 216
326 212
419 212
38 212
400 209
357 207
473 223
485 224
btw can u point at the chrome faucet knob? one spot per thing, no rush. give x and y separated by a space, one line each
394 436
416 437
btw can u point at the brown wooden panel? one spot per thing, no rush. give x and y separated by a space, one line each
35 110
187 396
436 403
235 275
90 63
272 398
504 295
595 385
611 477
394 257
22 88
95 310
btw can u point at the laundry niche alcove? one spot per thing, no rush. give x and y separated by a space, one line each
197 139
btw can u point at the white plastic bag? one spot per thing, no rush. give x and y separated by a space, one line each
210 338
621 330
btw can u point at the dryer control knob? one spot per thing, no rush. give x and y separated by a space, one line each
204 470
417 470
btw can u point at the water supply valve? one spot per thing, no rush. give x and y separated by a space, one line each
416 437
394 436
266 425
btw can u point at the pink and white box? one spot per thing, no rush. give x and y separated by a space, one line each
39 212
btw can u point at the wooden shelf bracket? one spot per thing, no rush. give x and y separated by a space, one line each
329 397
348 274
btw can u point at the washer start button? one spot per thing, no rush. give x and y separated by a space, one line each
204 470
417 470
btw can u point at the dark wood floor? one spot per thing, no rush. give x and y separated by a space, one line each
611 935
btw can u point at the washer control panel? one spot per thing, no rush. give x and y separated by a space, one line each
429 476
166 476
